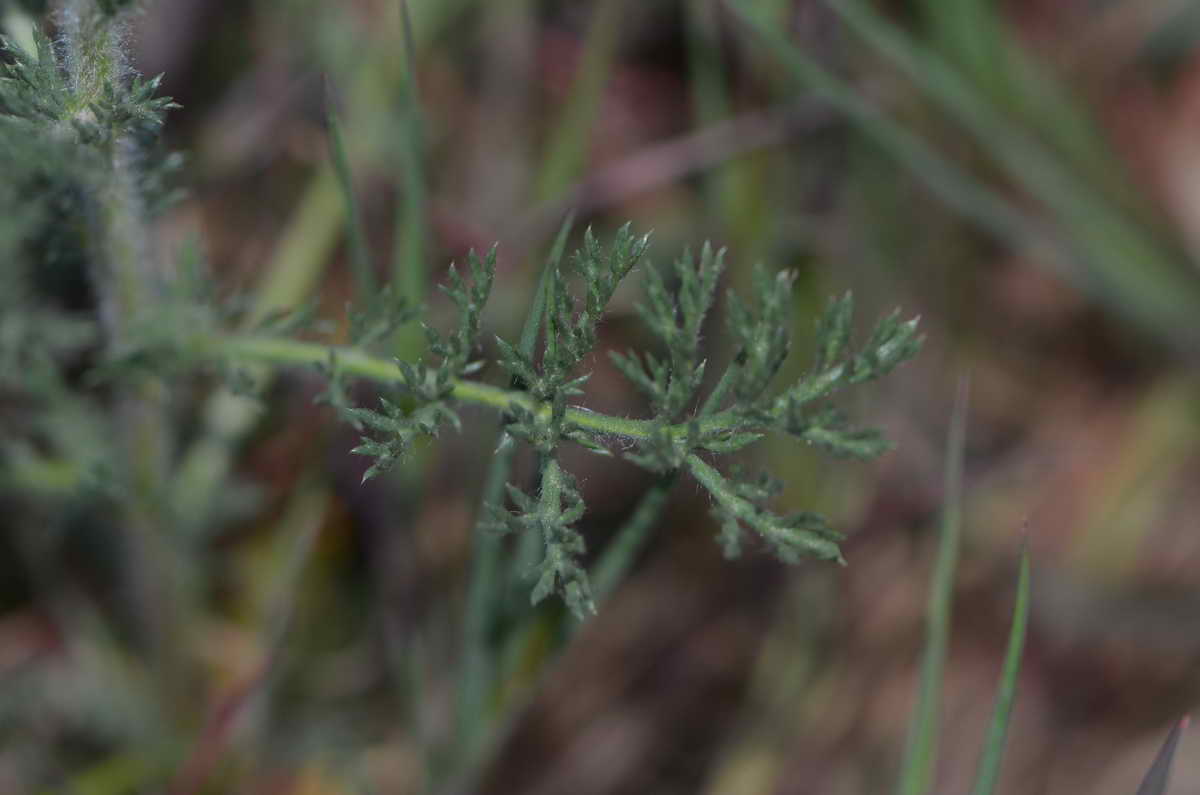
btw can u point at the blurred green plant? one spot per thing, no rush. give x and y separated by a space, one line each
739 411
84 175
919 765
1064 196
78 146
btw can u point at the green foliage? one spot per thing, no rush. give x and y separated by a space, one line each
676 321
551 516
430 385
741 409
997 737
81 174
920 758
81 295
69 122
917 775
571 335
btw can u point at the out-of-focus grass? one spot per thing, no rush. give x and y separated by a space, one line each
1115 255
920 758
997 737
1158 776
962 99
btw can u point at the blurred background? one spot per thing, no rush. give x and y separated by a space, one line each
1024 175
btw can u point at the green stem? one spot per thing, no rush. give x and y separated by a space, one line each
365 283
618 558
483 594
126 280
409 246
271 350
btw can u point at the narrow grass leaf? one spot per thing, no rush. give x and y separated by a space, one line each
621 553
1123 264
920 758
484 592
568 143
365 285
710 98
993 749
529 547
945 179
408 251
533 321
1157 777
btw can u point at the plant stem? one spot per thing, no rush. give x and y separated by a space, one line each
125 277
485 589
622 551
271 350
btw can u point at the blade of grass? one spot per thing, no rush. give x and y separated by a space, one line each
484 590
409 246
709 95
944 178
290 276
529 332
1157 777
967 32
622 551
529 545
303 248
360 256
567 150
735 196
920 758
302 520
1124 265
993 749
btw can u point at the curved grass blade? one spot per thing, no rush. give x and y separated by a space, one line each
920 757
483 594
622 551
566 151
1126 266
993 749
945 179
365 283
1155 782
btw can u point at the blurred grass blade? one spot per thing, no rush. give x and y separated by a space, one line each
969 33
710 96
1125 265
1157 777
297 262
920 758
623 549
567 149
408 250
360 257
529 545
993 749
533 322
945 179
485 589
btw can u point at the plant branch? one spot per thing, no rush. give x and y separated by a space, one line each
354 362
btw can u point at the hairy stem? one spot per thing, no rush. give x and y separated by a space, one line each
355 362
126 280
